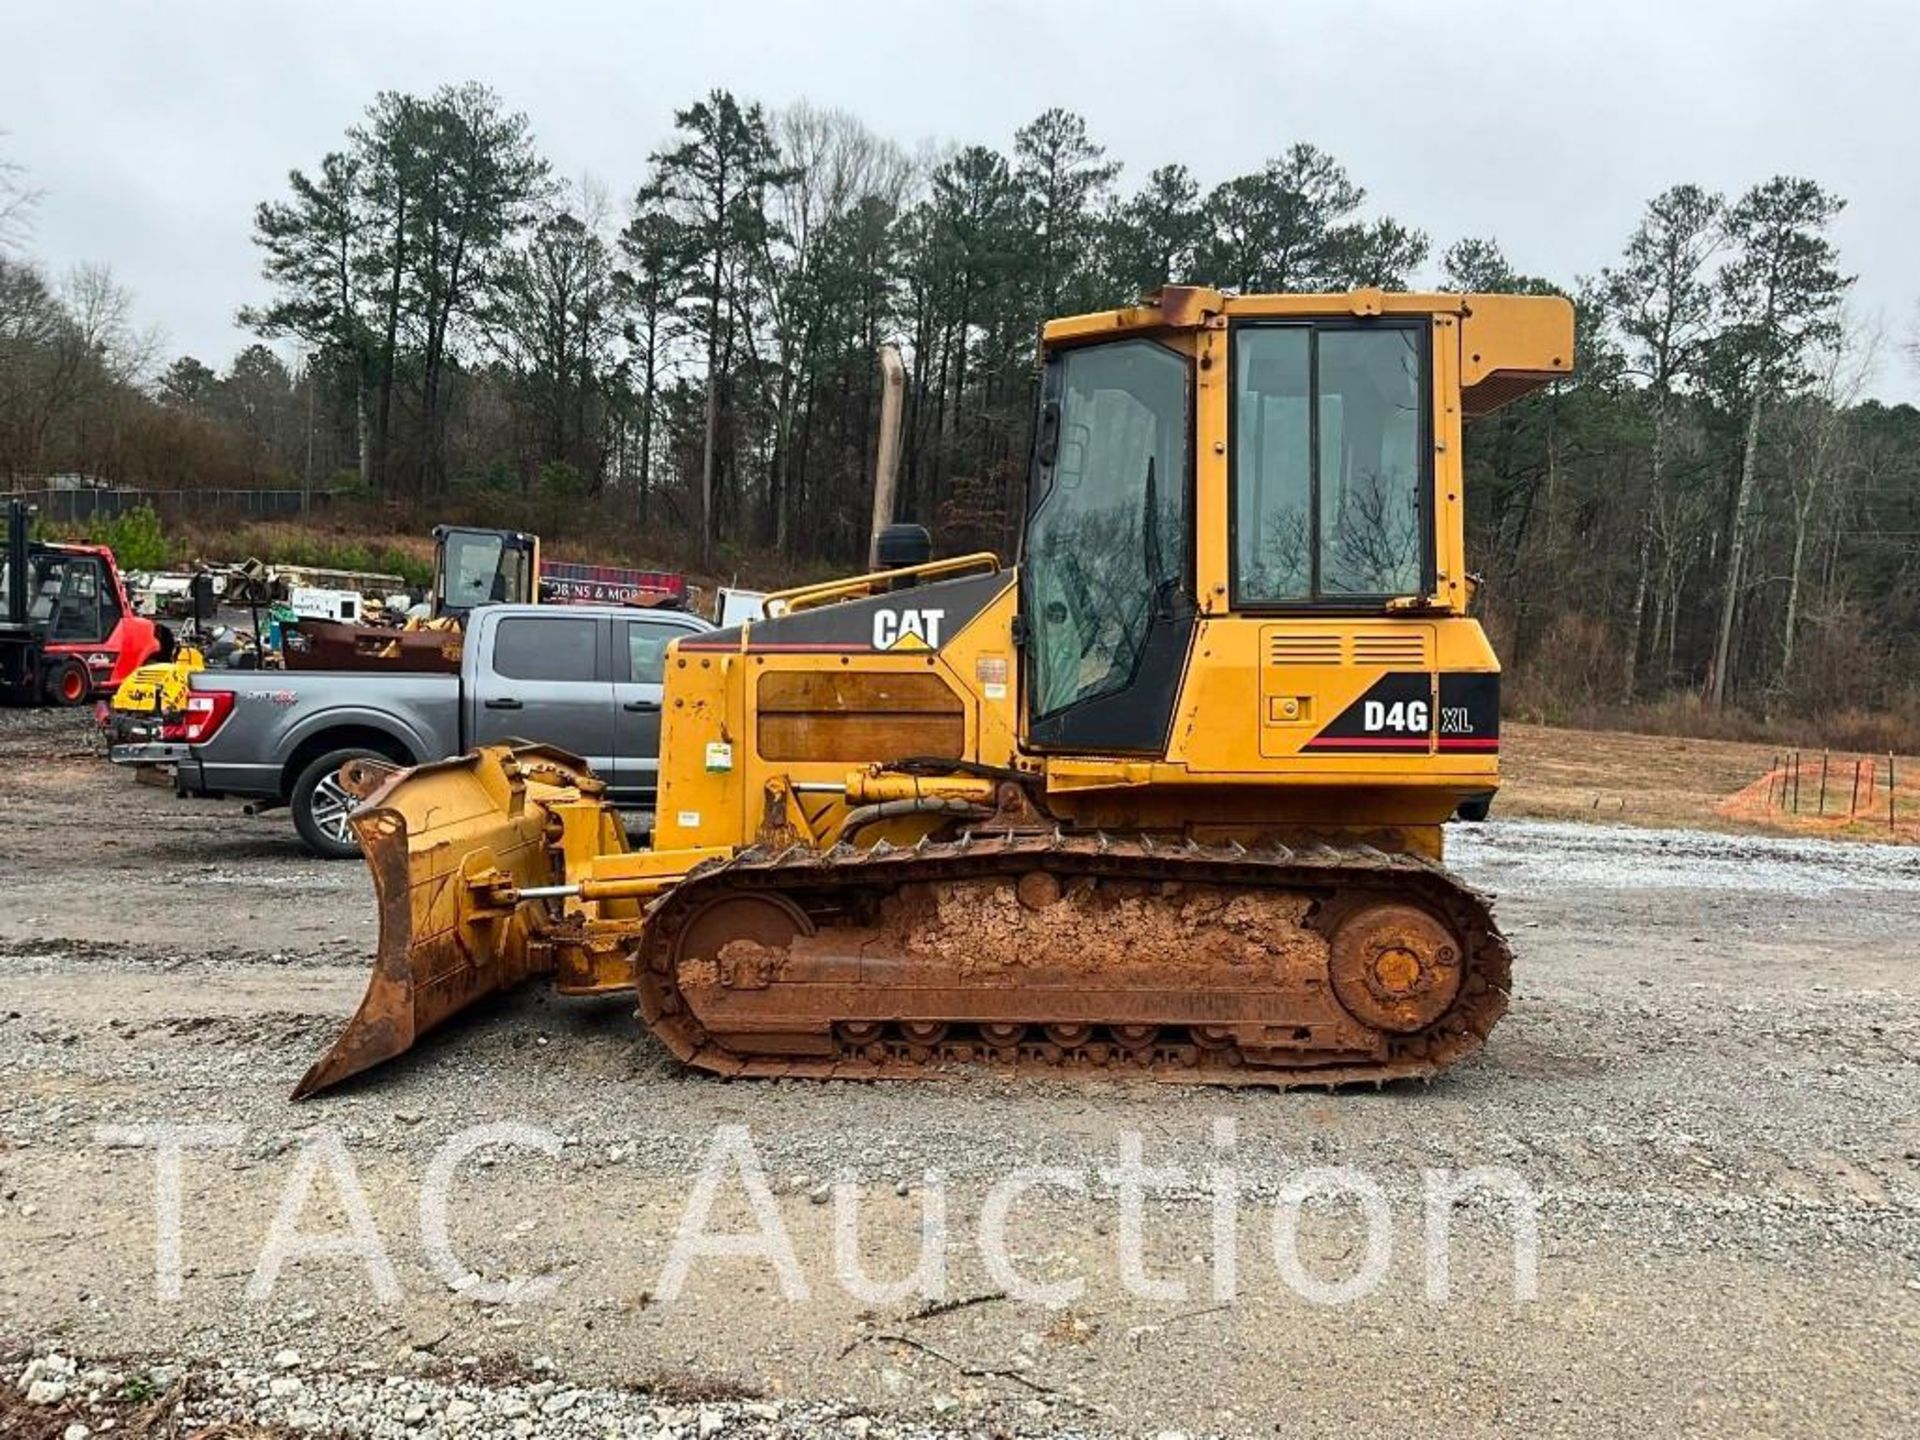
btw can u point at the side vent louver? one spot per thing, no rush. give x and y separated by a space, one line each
1403 650
1304 650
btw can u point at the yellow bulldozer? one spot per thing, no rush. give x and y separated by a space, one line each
1165 798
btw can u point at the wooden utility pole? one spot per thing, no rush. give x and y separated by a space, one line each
886 460
306 473
1736 562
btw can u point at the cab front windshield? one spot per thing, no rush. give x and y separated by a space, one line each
1107 537
479 569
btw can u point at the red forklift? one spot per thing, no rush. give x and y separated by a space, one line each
68 634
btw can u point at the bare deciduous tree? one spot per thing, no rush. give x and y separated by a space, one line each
17 199
102 313
1814 440
1662 299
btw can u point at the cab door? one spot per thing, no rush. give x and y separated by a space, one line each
548 679
1106 568
72 589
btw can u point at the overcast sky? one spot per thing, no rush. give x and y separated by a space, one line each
155 128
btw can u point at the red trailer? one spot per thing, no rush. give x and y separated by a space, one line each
566 582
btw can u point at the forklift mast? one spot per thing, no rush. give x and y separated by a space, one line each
19 521
19 649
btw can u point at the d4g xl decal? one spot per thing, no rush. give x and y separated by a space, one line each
1469 717
1398 713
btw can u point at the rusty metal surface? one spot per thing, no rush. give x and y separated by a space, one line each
361 776
1186 962
1394 967
342 645
428 835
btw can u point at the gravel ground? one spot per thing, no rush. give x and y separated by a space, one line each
1707 1084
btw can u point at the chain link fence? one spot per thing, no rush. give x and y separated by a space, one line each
79 506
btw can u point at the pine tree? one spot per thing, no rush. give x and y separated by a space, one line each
1781 290
713 181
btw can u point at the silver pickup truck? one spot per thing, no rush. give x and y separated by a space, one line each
586 678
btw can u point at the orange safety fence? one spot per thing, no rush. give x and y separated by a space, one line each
1819 790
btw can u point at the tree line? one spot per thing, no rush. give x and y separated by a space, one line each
1708 507
709 344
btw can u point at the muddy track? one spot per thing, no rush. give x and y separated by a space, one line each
1156 974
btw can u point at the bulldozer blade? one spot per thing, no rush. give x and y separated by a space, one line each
440 839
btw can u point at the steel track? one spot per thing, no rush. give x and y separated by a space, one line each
826 882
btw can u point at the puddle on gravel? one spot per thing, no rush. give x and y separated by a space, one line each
1526 856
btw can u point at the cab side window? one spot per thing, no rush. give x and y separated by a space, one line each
1330 462
77 618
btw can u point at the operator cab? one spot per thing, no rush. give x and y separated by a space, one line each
71 597
1290 461
482 567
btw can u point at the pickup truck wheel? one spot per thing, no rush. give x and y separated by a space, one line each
321 805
